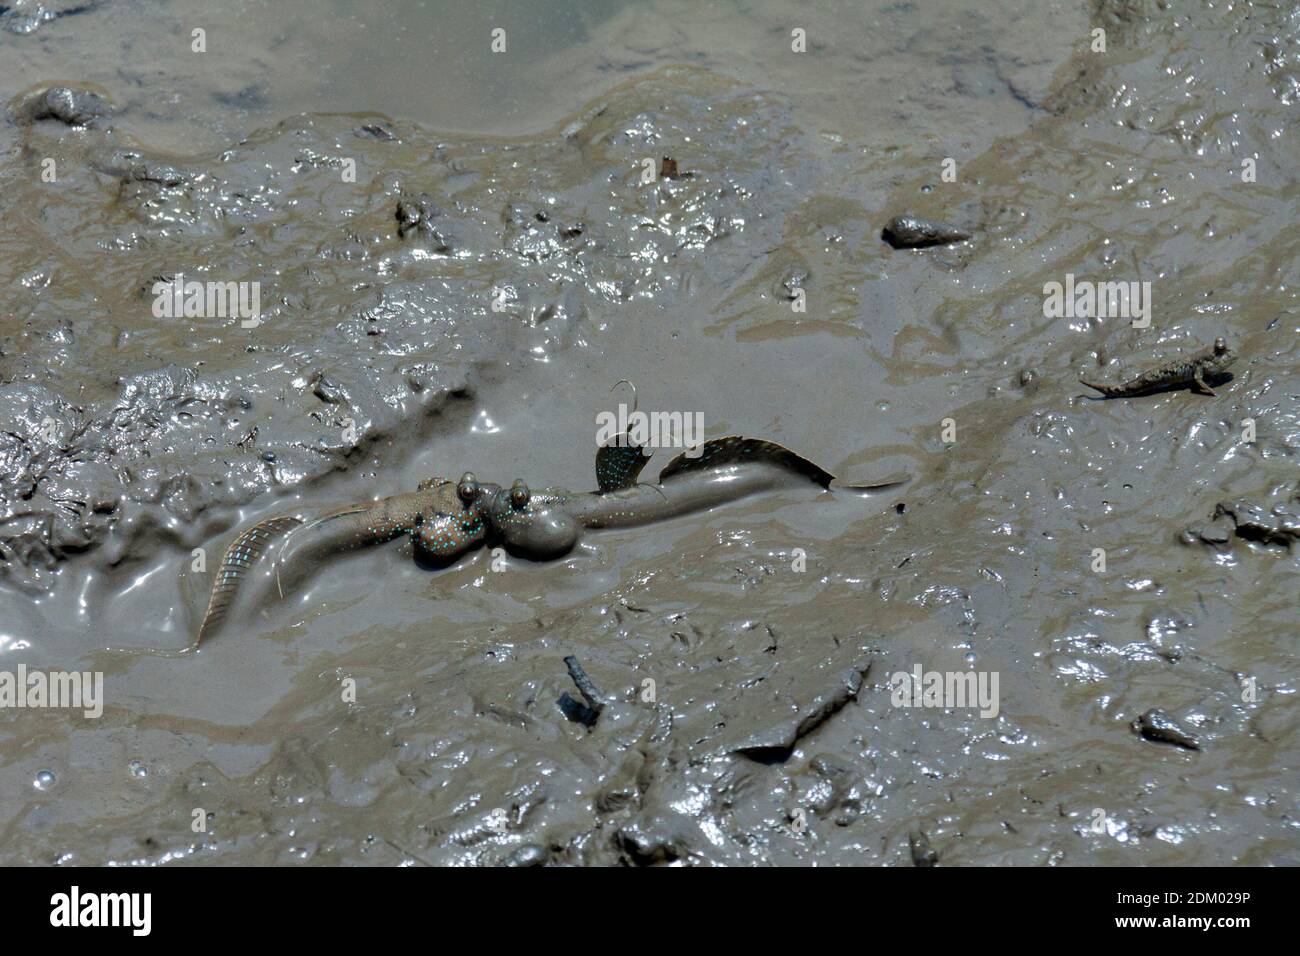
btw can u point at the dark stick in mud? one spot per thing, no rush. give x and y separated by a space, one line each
585 686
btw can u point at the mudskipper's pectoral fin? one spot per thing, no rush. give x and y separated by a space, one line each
243 552
619 463
735 449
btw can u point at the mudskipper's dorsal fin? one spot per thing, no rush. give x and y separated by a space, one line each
619 463
247 547
735 449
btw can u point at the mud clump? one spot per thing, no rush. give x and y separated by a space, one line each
418 216
912 232
528 855
656 839
1277 525
72 106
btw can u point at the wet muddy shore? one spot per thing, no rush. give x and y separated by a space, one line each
454 282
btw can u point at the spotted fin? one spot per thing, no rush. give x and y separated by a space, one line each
736 449
247 547
619 463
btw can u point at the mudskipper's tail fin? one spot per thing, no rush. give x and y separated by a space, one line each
247 547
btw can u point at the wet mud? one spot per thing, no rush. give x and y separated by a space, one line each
679 199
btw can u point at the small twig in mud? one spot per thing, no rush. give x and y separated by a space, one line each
587 713
585 686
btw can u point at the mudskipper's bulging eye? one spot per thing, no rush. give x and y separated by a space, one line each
519 495
467 489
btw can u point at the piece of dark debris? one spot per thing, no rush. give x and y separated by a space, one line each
668 169
380 131
1157 726
588 713
417 216
912 232
922 853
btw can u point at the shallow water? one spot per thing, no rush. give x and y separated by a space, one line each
128 440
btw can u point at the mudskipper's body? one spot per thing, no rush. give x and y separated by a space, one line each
445 520
1185 371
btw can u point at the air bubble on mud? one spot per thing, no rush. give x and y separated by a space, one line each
44 780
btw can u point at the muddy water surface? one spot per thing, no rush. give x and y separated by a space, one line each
745 654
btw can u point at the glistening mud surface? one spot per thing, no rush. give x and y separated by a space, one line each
127 440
